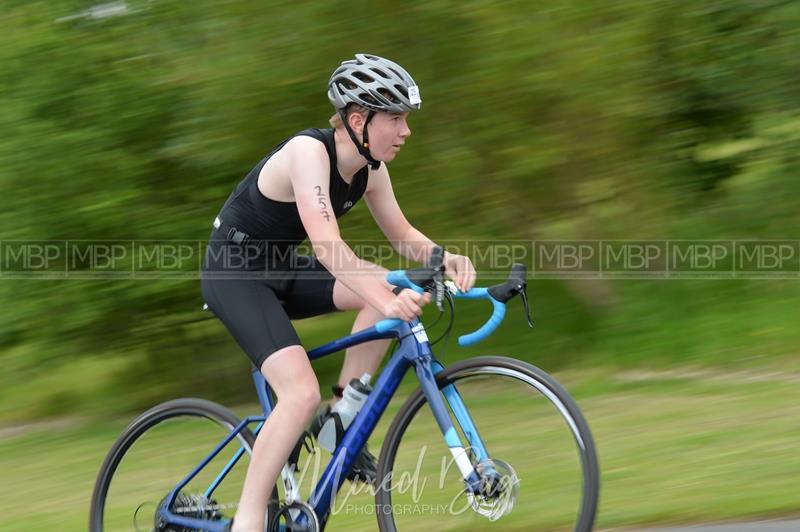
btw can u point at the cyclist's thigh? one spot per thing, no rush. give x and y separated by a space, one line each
253 314
346 299
311 292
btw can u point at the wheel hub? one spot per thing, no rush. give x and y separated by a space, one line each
499 489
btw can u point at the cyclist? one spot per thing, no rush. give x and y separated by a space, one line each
254 281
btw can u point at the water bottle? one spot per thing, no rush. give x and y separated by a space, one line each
342 414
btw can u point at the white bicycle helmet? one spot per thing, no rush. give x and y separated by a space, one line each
376 84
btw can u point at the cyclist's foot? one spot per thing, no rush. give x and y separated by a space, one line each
364 467
319 419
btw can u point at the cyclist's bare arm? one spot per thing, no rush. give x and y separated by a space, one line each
405 238
309 174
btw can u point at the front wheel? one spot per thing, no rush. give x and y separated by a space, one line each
159 449
541 456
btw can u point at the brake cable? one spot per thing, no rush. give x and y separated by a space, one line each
446 334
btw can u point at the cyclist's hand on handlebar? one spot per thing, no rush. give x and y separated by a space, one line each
407 305
460 269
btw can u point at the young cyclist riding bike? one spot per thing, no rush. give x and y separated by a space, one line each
255 283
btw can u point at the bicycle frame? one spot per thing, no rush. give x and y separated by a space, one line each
414 351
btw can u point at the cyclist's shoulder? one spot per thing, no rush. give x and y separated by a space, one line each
322 135
311 141
305 158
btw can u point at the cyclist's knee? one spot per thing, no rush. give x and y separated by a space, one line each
304 402
291 376
303 399
310 397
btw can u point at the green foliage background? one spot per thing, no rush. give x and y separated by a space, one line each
668 119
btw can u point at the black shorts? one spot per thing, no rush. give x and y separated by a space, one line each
257 305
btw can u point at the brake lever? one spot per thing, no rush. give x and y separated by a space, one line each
515 284
437 263
438 294
524 295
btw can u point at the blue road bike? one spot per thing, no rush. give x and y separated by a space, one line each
502 445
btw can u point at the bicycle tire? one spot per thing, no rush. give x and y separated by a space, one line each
508 367
189 407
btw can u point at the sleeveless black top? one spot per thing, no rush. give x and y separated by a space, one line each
278 222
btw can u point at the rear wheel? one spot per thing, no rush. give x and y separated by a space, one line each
541 472
159 449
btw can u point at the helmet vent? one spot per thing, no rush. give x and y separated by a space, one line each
364 77
396 73
387 94
368 98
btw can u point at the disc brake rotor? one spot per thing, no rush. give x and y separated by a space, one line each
499 488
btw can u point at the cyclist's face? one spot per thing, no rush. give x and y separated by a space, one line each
387 133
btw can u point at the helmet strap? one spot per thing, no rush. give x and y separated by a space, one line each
362 147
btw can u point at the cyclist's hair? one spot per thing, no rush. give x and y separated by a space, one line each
336 120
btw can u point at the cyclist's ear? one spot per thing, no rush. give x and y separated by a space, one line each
356 121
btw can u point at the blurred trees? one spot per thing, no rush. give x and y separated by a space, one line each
565 120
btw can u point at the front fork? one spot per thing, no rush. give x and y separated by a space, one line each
427 369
